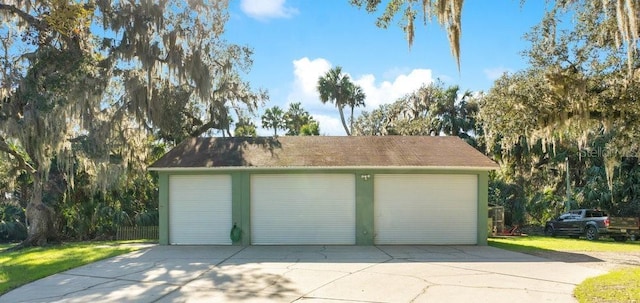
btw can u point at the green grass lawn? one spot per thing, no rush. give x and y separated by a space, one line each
621 285
23 266
533 243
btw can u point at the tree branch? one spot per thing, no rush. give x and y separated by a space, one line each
33 21
42 26
22 162
202 129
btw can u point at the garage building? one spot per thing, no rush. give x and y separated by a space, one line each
323 190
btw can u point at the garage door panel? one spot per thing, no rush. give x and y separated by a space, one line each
303 209
425 209
199 209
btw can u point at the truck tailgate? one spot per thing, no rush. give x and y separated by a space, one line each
624 223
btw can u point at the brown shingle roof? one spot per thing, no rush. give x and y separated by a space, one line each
323 151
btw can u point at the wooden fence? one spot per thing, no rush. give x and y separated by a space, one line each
137 232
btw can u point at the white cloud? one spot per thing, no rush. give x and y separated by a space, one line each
496 72
306 74
267 9
307 71
329 125
387 91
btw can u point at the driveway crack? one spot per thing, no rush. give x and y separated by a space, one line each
505 274
322 252
505 288
424 290
384 252
341 277
336 300
109 280
201 274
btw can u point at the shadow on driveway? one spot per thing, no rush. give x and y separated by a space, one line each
311 273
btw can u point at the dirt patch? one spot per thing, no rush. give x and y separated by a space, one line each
600 260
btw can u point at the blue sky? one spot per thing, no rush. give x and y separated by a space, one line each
296 41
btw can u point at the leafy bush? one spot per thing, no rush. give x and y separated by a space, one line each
11 227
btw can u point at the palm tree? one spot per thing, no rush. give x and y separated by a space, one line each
454 118
245 128
355 98
273 118
334 88
295 118
310 129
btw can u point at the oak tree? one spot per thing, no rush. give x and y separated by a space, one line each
85 83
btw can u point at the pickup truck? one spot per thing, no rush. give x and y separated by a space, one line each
592 224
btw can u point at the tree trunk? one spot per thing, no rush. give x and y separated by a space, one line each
351 121
344 123
39 218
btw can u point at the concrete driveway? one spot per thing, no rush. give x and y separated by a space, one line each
312 274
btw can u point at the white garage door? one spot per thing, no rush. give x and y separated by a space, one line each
199 209
425 209
303 209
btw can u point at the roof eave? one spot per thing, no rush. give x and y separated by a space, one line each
241 168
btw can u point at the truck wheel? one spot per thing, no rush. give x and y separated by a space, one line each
591 233
620 238
548 231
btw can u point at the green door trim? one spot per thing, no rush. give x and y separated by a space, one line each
364 182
